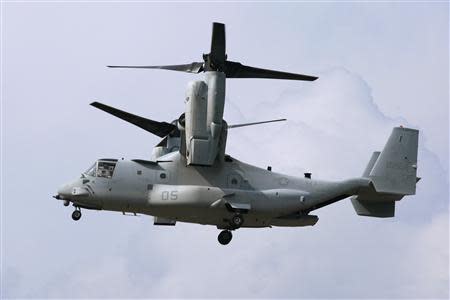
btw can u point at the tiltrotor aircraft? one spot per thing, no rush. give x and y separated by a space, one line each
190 178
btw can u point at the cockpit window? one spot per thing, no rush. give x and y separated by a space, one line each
91 170
102 168
105 168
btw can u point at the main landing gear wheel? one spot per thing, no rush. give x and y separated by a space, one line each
225 237
237 221
76 215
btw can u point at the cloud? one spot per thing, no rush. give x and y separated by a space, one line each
331 131
49 135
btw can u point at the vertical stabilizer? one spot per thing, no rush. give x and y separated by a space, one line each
372 161
395 171
392 173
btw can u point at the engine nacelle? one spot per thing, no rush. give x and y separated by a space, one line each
197 133
205 132
216 101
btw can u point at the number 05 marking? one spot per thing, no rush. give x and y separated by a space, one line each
166 195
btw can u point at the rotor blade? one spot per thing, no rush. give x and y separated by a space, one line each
162 143
218 44
160 129
195 67
238 70
254 123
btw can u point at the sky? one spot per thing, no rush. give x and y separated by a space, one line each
380 65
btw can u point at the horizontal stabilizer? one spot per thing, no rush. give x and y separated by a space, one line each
374 209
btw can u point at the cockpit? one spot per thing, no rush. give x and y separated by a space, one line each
102 168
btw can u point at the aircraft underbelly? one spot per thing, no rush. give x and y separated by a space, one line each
215 206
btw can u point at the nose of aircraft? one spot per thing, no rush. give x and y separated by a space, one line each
66 191
77 193
71 190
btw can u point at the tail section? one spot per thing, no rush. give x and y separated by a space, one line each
393 174
395 170
371 163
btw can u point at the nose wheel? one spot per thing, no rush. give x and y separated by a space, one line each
76 215
225 237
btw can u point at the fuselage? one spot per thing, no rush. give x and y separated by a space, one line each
191 179
170 189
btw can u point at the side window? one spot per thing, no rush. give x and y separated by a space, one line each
105 169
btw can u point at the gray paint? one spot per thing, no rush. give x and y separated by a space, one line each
145 260
172 189
198 183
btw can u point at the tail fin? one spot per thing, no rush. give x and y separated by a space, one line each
371 163
395 170
393 174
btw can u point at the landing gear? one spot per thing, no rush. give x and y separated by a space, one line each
237 221
225 237
76 215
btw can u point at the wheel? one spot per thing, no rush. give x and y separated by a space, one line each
237 221
225 237
76 215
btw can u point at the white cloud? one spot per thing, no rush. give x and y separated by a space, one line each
343 256
334 125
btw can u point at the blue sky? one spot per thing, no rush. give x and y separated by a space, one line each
380 65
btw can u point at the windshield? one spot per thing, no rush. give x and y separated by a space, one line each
102 168
91 170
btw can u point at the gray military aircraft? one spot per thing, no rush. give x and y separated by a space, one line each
189 178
